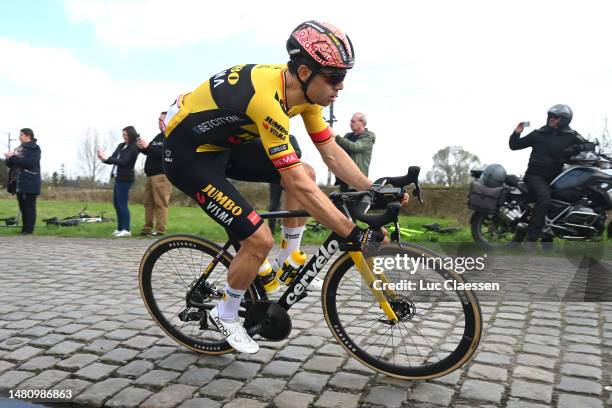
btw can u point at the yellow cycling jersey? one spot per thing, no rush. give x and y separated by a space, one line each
240 105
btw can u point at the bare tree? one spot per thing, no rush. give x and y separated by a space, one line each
452 166
87 155
606 139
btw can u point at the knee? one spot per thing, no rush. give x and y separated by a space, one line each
310 171
261 242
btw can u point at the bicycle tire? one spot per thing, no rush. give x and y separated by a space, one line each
151 266
464 350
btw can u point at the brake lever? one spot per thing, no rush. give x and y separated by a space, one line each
417 192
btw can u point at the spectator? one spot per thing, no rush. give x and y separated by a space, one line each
24 177
276 190
123 161
358 144
158 189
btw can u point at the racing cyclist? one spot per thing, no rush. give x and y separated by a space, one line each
236 125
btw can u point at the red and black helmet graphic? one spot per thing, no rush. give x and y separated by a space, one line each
322 43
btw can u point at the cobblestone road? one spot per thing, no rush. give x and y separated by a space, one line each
72 319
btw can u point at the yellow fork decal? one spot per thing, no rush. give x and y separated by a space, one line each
368 277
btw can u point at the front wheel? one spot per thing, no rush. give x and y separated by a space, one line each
168 272
438 331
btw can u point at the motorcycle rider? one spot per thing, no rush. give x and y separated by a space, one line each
551 146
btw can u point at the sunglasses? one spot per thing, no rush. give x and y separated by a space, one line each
333 78
553 116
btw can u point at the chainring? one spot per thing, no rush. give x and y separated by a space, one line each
269 320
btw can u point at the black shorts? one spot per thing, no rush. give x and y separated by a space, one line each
204 177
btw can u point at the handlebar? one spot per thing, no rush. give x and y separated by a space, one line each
380 197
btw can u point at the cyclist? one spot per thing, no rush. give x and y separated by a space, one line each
236 125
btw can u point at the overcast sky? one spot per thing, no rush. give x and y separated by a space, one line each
427 74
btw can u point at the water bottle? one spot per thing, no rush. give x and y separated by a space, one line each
268 277
292 265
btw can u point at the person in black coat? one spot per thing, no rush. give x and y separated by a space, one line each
552 145
24 177
123 160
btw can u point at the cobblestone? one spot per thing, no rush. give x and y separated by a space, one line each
309 382
221 388
481 390
574 401
332 399
129 397
96 371
44 380
349 381
39 363
170 396
157 378
97 393
281 368
580 370
534 391
89 332
241 370
11 378
197 376
579 385
266 388
387 396
291 399
432 393
488 372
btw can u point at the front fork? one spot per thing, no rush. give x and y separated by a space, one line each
365 269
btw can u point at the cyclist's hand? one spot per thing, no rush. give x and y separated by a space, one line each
364 240
385 233
405 199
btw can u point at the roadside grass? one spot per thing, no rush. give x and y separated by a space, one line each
187 220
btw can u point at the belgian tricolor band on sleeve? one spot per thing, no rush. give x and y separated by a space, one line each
322 137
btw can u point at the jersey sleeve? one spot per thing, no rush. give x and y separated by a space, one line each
273 126
316 127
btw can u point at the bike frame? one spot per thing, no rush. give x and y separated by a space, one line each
296 290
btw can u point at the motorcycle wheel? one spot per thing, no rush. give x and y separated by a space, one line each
490 231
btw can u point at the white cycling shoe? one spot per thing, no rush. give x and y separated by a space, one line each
234 332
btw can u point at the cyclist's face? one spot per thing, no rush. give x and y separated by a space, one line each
323 90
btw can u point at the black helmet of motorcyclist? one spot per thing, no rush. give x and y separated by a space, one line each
494 175
563 112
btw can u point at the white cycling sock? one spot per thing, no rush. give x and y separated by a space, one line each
290 241
228 307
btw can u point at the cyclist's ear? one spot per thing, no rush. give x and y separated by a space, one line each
304 72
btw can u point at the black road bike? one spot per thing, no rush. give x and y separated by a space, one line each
393 330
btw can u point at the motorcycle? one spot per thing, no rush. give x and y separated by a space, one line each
580 197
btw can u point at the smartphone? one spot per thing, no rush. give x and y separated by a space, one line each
526 124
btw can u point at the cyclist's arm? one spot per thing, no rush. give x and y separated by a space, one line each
315 202
340 163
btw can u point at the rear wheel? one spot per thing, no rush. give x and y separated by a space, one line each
438 331
168 271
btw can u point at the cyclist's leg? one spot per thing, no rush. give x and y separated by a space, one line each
249 162
202 177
